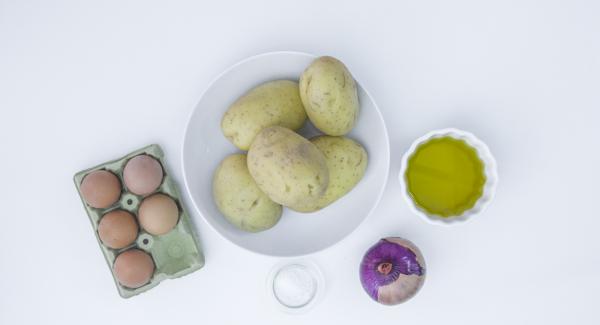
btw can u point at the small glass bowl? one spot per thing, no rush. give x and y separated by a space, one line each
304 269
490 171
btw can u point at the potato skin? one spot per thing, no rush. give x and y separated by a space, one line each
347 162
273 103
287 167
239 199
329 95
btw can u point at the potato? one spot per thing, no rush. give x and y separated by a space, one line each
287 167
239 199
346 160
329 95
273 103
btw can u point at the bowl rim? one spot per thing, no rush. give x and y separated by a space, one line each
490 171
386 152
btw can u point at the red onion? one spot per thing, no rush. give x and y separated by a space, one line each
392 271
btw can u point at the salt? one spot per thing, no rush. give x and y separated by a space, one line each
294 286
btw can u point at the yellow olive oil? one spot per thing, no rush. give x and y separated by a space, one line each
445 176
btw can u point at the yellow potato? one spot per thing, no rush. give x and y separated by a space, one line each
239 199
346 160
329 95
273 103
287 167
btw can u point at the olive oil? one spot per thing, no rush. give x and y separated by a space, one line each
445 176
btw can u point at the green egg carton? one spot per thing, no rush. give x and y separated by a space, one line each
175 253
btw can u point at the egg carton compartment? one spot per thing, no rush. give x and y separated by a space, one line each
175 253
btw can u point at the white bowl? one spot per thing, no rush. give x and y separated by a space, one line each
490 171
204 146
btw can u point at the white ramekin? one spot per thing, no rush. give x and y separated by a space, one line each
490 171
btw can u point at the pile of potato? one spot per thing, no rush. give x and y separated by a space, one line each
282 168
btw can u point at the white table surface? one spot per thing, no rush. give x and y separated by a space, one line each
82 83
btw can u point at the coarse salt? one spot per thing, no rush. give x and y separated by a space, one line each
294 286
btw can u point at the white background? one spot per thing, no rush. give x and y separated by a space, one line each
82 83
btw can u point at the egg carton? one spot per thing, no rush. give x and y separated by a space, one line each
175 253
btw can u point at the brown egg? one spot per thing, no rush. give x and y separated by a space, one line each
158 214
100 189
142 174
117 229
133 268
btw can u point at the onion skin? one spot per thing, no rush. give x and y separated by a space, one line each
392 271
